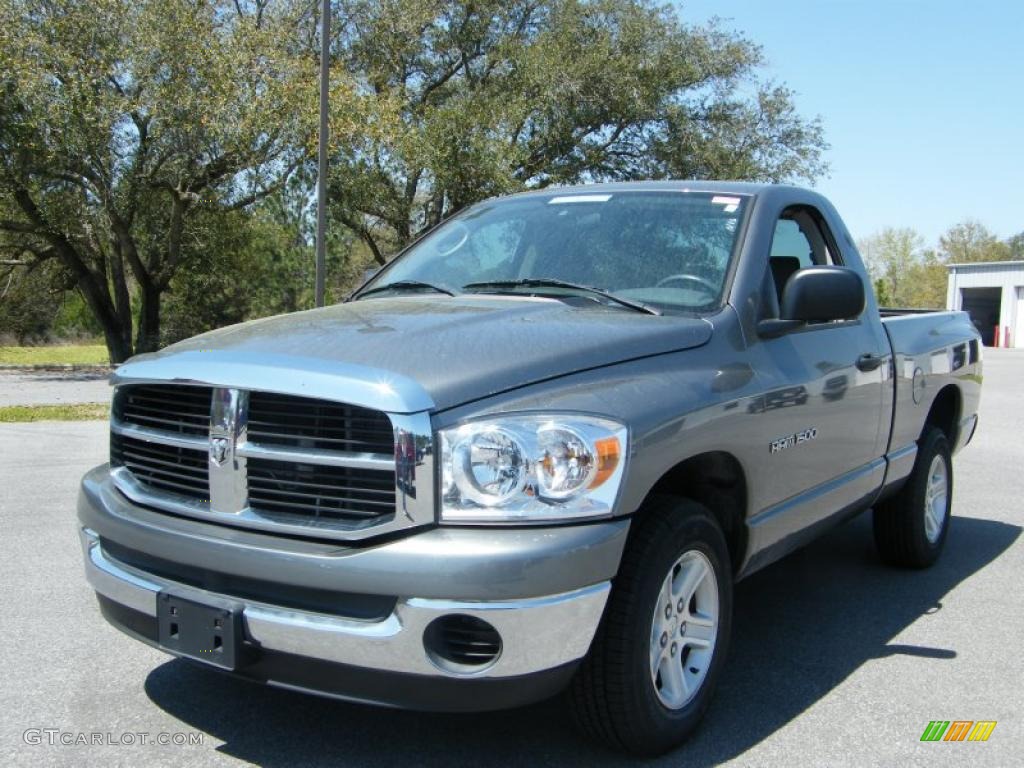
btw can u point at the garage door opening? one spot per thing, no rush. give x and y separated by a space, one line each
983 305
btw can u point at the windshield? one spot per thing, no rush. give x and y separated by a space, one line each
668 249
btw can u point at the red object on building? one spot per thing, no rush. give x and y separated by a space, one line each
995 337
1006 336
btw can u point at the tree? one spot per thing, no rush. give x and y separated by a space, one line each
971 241
904 274
271 247
890 256
1016 245
125 122
467 100
926 283
882 292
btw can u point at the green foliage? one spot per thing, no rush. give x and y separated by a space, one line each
928 282
462 101
27 304
891 256
1016 246
882 295
156 155
73 412
971 241
257 264
123 123
903 272
906 275
73 319
71 354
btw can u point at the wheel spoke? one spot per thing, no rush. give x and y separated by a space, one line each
936 503
690 579
699 632
673 682
666 597
657 648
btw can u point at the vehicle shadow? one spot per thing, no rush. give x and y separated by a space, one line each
802 626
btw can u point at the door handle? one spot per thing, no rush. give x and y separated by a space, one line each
868 362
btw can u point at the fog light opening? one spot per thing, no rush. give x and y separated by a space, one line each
461 644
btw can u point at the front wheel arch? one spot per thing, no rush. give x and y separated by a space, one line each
715 480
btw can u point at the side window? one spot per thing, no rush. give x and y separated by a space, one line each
801 239
789 242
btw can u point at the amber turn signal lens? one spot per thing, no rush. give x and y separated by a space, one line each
607 459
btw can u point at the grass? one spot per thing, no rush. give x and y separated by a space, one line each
80 354
72 412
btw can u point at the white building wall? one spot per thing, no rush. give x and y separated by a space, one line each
1008 277
1018 337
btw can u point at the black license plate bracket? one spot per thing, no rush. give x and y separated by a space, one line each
207 631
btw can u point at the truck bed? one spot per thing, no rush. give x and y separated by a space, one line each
932 351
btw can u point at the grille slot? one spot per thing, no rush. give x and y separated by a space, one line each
170 408
320 492
303 422
182 471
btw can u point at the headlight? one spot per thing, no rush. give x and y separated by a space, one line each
531 468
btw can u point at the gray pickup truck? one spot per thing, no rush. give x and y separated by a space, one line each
531 455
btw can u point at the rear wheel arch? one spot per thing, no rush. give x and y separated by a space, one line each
944 414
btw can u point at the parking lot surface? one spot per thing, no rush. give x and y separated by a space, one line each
835 659
44 387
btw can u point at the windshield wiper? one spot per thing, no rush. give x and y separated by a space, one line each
550 282
409 285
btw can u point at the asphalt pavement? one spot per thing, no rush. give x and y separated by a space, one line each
836 660
45 387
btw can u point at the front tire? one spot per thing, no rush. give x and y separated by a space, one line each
655 660
911 527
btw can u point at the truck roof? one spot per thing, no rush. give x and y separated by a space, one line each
681 185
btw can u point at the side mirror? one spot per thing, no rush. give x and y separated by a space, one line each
820 294
368 273
817 295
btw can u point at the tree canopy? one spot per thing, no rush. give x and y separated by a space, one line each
469 100
139 138
121 120
971 241
906 274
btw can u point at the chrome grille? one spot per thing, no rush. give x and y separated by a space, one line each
168 468
185 410
342 493
269 461
318 424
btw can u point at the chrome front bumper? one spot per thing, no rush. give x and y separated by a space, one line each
538 633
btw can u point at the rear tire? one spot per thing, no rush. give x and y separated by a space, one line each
657 654
911 527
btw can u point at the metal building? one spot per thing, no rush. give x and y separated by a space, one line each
993 293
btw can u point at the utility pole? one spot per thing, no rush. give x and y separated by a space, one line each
321 177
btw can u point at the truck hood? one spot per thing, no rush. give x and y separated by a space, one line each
418 352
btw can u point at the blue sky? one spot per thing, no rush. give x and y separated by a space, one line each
922 102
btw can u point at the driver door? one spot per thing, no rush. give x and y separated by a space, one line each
820 413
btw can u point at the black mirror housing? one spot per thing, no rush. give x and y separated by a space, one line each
821 294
